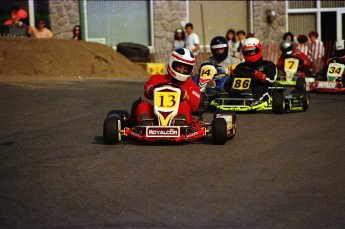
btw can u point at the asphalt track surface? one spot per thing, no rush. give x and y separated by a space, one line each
280 171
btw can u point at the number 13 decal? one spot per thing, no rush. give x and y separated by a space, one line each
167 101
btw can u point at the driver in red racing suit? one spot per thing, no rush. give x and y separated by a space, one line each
286 47
180 68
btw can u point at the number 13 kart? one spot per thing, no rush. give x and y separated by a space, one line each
165 126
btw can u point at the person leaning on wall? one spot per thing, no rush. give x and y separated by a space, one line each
40 31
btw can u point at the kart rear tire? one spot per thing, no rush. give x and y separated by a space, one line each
278 103
111 134
301 84
225 112
305 101
219 131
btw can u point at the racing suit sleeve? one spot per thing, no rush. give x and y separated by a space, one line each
153 80
302 56
280 64
193 91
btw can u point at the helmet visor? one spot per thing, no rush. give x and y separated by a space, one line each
250 51
185 69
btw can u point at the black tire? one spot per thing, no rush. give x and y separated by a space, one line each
111 134
301 83
219 131
305 101
203 106
121 113
134 106
225 112
278 103
134 52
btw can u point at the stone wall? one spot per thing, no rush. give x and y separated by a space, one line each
167 17
63 16
267 32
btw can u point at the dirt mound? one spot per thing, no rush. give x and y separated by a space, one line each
63 58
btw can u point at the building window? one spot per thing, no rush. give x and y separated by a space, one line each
112 22
301 4
332 4
296 27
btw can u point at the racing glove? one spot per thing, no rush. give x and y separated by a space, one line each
184 95
149 92
259 75
221 70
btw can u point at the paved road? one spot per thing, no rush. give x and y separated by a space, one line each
280 171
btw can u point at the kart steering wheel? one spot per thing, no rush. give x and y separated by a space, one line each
243 71
167 83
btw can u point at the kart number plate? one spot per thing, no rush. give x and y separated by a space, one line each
163 131
166 99
334 71
291 64
241 83
207 72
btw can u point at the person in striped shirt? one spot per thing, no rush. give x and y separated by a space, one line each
303 44
316 51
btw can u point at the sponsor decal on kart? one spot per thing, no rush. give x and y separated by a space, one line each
325 84
163 131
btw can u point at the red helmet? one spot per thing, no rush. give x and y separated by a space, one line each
251 50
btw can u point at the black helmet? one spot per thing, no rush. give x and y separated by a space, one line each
219 42
286 47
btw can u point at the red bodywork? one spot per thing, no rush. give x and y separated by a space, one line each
329 87
139 132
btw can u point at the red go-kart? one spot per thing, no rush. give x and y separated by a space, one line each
165 127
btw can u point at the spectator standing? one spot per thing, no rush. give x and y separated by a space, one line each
302 44
192 40
231 37
76 32
316 51
18 17
241 36
179 39
288 36
41 31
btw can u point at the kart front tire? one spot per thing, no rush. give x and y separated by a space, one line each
278 103
301 84
118 112
111 133
219 130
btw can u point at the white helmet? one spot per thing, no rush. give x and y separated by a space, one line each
181 58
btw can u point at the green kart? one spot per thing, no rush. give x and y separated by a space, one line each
274 100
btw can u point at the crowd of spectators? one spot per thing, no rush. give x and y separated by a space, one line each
18 25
